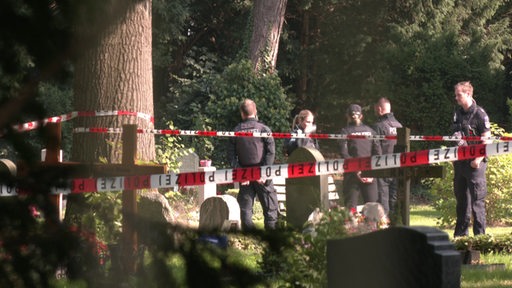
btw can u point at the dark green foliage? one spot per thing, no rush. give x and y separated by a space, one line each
33 247
412 52
212 100
301 261
333 53
207 37
56 100
235 84
36 48
446 44
201 261
168 23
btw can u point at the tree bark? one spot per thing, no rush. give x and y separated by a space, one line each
114 72
268 17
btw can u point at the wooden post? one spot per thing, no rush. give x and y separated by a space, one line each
404 180
129 237
404 176
53 146
129 200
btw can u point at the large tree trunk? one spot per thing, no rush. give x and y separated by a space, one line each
115 73
268 17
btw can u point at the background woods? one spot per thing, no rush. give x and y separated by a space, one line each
190 62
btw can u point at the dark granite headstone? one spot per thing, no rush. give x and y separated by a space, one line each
304 194
394 257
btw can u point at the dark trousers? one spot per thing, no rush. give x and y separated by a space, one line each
470 189
268 198
387 193
353 187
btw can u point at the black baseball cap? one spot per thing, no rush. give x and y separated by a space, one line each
354 109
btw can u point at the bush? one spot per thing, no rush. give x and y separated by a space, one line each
485 243
170 149
302 260
236 83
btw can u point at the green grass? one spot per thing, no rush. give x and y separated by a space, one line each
424 215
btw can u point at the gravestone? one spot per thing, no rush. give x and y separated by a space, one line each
219 213
153 210
304 194
417 256
189 163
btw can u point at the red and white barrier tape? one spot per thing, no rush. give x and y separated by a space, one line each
68 116
287 135
295 170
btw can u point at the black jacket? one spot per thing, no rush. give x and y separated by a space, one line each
251 151
387 125
290 144
354 148
473 122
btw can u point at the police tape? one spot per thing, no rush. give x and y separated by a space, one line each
290 170
178 132
71 115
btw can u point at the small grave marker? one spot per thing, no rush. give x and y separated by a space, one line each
219 213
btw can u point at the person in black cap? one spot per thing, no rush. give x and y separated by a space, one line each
353 183
253 152
386 125
469 183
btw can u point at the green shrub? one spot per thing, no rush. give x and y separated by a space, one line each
444 201
302 260
485 243
236 83
170 149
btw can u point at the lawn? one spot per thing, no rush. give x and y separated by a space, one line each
248 252
425 215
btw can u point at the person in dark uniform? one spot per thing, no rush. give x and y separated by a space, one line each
353 183
253 152
302 123
386 124
469 183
